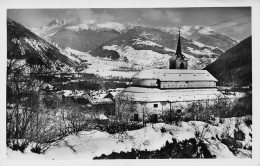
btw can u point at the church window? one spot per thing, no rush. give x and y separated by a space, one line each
136 117
178 111
155 105
181 66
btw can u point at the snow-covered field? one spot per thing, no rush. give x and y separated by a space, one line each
104 67
89 144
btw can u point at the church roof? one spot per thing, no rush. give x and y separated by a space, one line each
175 75
172 95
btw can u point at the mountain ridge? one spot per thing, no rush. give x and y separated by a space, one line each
202 34
22 44
235 65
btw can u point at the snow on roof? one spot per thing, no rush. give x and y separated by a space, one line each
119 89
173 95
114 93
102 95
102 117
175 75
67 93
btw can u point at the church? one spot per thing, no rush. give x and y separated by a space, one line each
156 90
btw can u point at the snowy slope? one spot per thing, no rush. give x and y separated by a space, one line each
130 61
25 45
103 67
203 34
90 144
145 59
144 40
141 58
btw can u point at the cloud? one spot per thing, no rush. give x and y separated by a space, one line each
160 15
173 16
155 15
83 15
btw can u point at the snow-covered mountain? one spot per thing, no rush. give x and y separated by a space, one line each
47 31
138 45
66 34
98 26
82 37
25 46
203 34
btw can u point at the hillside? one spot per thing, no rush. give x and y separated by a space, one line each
83 40
81 37
143 41
25 46
235 65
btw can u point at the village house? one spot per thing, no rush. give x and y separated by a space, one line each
156 90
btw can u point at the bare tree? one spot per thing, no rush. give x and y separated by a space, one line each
24 115
124 106
72 118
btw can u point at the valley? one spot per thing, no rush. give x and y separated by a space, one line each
108 89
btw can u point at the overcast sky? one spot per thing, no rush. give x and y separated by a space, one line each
149 17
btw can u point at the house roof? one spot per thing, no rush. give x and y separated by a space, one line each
175 75
172 95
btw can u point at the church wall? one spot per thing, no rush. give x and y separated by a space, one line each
149 108
185 84
178 63
172 64
144 82
173 84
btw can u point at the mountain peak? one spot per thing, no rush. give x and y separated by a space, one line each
56 22
24 44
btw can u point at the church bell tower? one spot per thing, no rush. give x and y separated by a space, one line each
178 61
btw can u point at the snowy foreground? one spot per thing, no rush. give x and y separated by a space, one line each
89 144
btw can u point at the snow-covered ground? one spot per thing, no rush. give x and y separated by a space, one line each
104 67
146 42
89 144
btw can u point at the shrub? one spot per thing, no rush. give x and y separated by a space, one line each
163 130
19 146
184 149
119 127
232 144
239 135
171 116
248 121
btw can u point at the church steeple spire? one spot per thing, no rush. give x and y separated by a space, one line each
178 50
178 61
